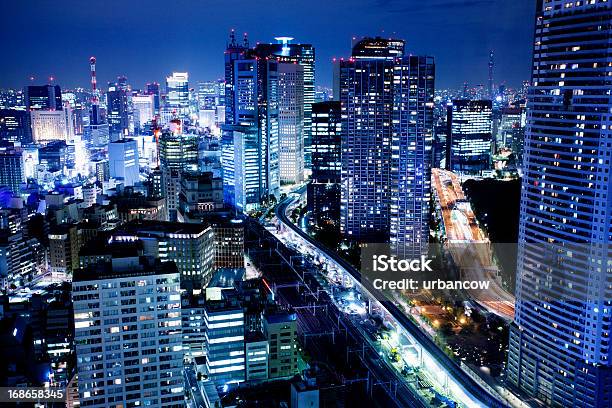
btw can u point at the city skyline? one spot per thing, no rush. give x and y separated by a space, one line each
148 47
199 227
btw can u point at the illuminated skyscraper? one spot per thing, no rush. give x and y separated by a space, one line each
11 168
143 295
303 54
144 110
44 97
178 151
291 122
177 93
560 349
117 110
387 131
324 189
153 89
123 161
469 129
48 126
251 111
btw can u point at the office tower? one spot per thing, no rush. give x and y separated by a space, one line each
15 126
224 341
241 158
291 123
251 126
200 193
48 126
53 155
117 109
177 93
559 346
178 151
43 97
208 100
189 246
229 237
208 95
511 132
63 249
256 356
152 88
280 329
144 110
194 325
22 259
123 161
30 162
11 168
469 128
101 170
127 319
285 51
324 189
229 242
387 131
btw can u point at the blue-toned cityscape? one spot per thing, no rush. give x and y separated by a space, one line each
399 218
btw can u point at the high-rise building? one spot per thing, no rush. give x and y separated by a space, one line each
177 93
257 354
470 128
189 246
22 259
291 123
15 126
127 319
251 122
43 97
285 51
11 168
280 329
152 88
63 249
559 348
178 151
511 132
324 189
202 192
48 126
387 131
224 341
123 161
117 110
144 110
241 157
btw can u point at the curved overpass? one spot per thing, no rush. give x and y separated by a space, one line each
470 387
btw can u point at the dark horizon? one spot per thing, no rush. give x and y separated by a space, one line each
146 43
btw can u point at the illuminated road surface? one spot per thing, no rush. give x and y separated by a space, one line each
469 245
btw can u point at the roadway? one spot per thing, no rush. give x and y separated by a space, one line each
469 245
434 362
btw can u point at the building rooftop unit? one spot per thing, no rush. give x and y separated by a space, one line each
161 227
123 268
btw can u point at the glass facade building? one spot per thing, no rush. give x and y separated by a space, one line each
560 341
387 135
470 131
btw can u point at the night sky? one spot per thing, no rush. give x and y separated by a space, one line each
147 39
